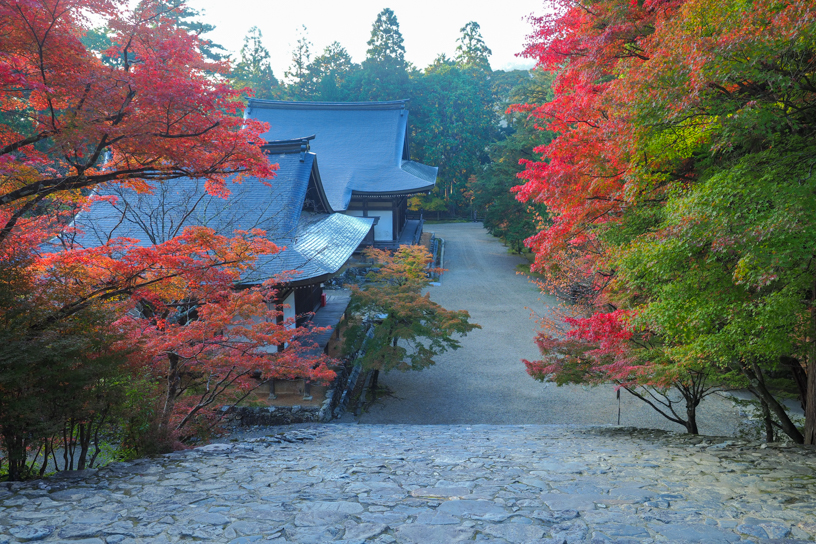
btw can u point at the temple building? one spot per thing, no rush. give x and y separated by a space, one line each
365 159
320 216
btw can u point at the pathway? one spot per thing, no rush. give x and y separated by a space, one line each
485 381
425 484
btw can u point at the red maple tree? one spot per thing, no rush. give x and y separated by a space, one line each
583 181
148 109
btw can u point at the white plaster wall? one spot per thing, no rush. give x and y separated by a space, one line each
384 229
289 310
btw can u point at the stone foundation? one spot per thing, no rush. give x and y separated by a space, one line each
247 416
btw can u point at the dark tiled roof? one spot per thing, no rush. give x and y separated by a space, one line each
362 145
317 244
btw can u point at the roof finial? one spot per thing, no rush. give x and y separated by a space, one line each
304 147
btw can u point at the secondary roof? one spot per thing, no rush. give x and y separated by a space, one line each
317 241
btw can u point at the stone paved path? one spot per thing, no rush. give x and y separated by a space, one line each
433 484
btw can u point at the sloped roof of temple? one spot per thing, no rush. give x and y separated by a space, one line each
363 146
292 208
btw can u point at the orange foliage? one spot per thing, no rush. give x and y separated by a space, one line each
148 110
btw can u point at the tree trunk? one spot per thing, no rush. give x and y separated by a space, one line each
375 378
173 380
810 405
45 457
766 416
97 449
759 389
84 437
15 446
799 376
68 445
691 417
669 414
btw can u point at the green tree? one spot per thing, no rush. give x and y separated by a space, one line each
504 216
429 203
253 69
298 77
732 285
471 49
385 73
411 329
386 44
61 382
681 185
330 72
454 122
723 262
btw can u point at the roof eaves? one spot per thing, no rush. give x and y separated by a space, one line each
420 171
388 194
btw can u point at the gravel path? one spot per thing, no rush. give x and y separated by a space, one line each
485 381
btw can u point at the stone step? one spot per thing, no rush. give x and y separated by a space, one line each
426 484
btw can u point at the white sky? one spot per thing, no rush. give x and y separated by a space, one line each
429 27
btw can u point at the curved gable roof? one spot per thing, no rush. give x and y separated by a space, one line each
363 146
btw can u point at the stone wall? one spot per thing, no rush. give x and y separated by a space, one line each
247 416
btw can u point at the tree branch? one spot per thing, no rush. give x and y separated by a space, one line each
6 231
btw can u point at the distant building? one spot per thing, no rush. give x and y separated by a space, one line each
364 159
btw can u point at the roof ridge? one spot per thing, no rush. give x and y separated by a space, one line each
284 104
